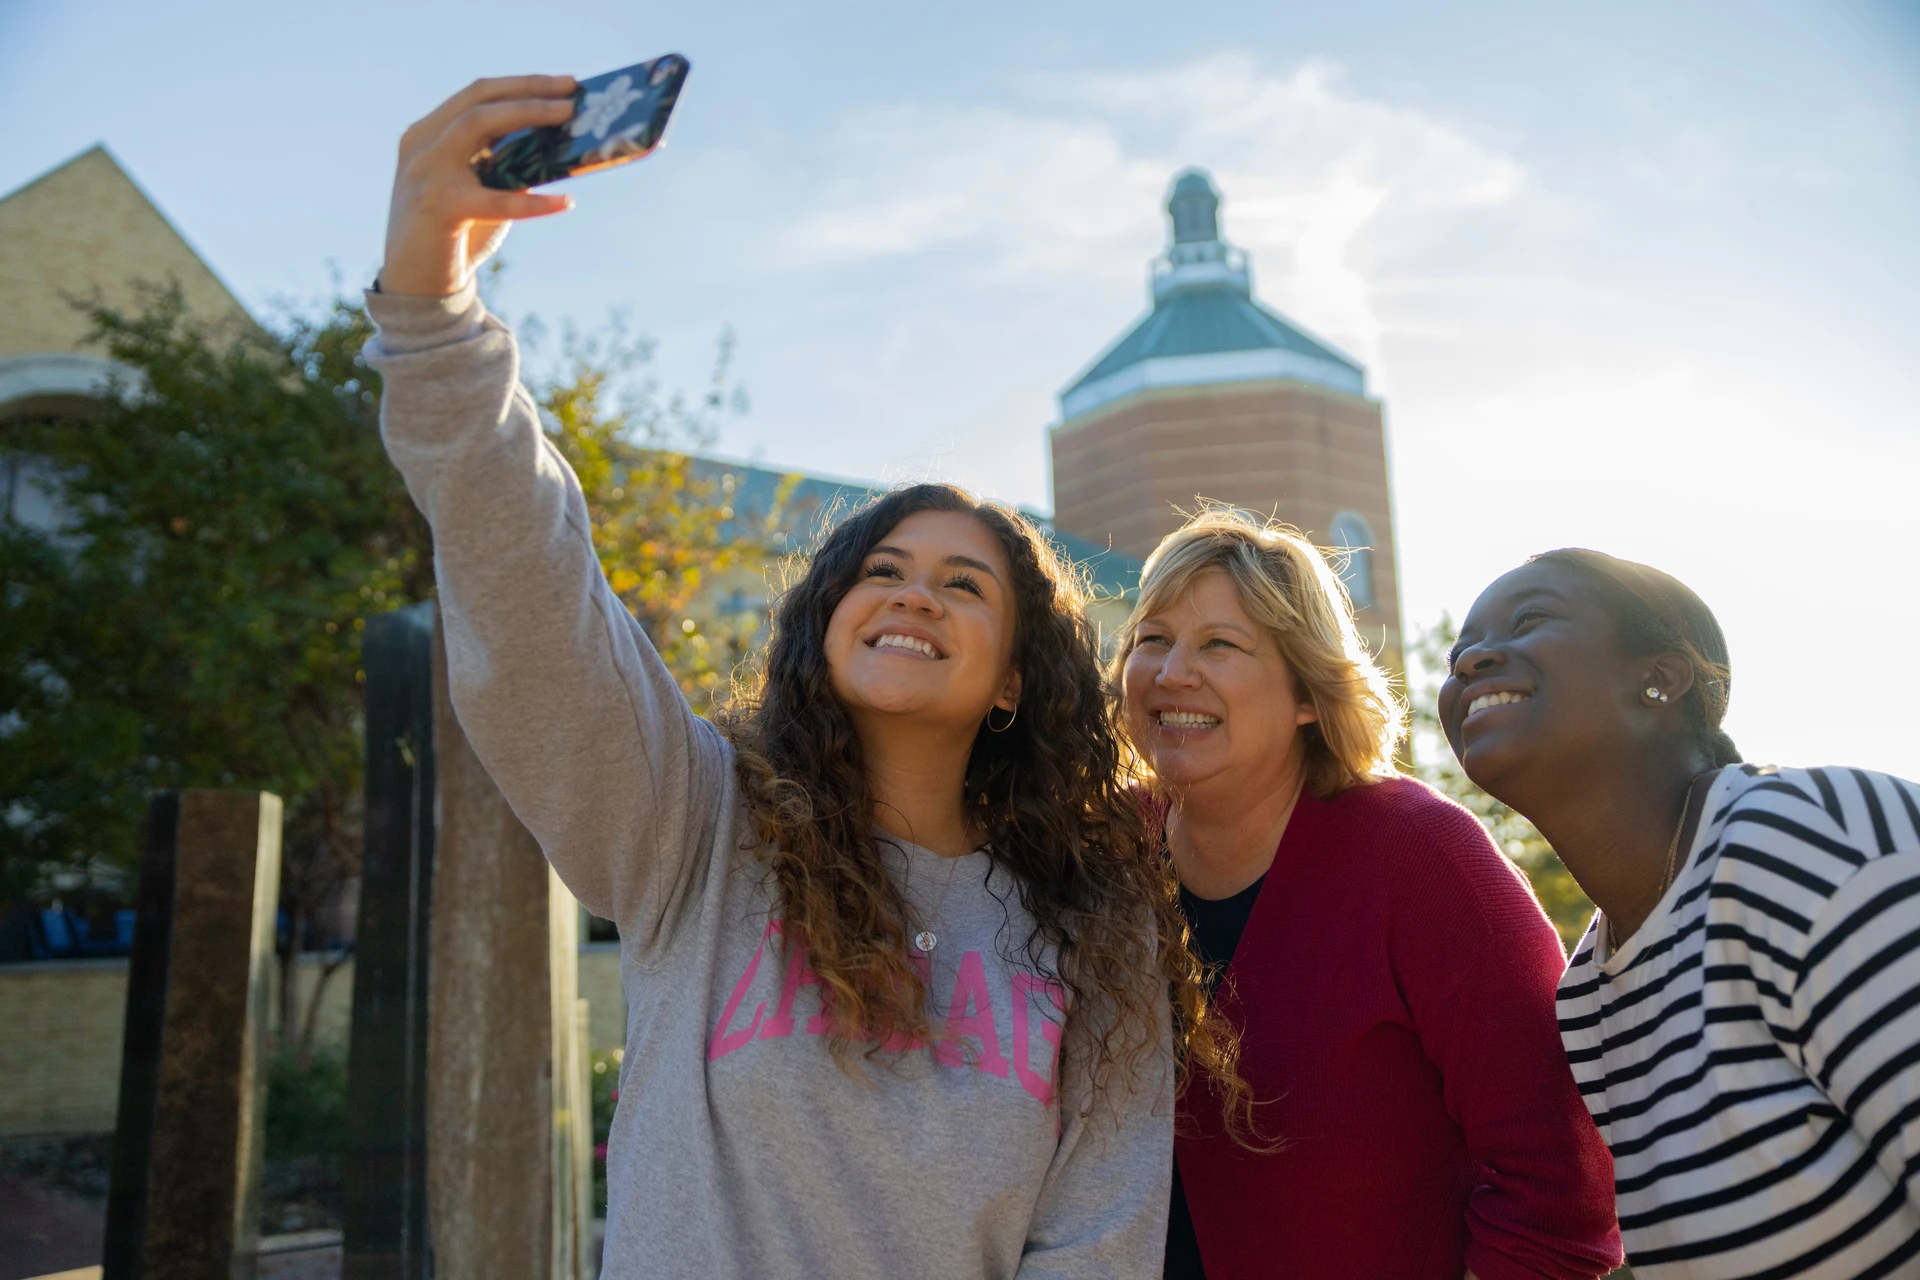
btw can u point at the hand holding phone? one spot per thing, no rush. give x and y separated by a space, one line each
442 222
617 117
514 132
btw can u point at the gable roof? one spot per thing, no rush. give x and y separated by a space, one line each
83 228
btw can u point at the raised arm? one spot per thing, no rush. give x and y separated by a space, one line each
562 695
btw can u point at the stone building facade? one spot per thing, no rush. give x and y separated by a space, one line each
80 231
1211 396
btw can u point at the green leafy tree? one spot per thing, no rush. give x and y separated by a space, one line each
664 522
231 522
1566 905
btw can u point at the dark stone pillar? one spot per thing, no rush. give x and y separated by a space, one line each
385 1165
189 1141
467 1091
504 1045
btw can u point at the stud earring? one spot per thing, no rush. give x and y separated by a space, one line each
1657 695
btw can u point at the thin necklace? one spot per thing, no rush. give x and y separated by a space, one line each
927 939
1666 881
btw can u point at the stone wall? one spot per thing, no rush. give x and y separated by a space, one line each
60 1053
61 1022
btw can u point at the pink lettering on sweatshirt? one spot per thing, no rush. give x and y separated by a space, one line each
799 974
725 1042
970 1032
1024 986
970 1017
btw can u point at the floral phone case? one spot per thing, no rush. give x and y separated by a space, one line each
617 117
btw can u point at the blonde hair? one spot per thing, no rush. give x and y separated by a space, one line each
1285 584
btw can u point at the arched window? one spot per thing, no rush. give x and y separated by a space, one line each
47 389
1353 561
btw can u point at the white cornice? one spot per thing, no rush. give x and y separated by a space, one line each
28 377
1214 367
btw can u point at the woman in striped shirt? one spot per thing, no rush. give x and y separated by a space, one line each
1743 1016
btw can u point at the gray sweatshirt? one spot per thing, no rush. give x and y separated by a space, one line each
740 1147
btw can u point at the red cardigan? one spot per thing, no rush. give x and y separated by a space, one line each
1395 985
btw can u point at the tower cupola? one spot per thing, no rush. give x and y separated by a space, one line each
1206 328
1195 207
1198 258
1211 396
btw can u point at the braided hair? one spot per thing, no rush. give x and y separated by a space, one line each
1655 613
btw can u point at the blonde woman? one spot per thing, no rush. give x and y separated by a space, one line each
1390 972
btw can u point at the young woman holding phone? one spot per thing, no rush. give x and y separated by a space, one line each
1743 1015
896 954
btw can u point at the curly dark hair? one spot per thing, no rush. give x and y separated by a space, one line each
1047 793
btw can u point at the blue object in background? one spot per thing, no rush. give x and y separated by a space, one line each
88 944
67 936
60 942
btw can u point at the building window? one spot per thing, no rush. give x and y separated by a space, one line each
1353 558
28 493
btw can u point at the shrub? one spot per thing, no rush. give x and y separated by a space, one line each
306 1101
606 1095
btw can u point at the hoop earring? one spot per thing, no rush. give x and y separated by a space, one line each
1657 695
1011 717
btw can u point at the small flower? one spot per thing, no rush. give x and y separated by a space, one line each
624 143
600 1152
602 107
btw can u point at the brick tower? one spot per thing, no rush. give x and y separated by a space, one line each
1211 395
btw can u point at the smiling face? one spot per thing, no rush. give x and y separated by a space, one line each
1539 689
1210 700
927 628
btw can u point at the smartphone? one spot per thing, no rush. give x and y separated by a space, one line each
617 117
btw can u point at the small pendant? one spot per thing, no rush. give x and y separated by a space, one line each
926 941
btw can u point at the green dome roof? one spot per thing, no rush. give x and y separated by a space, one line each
1196 322
1205 326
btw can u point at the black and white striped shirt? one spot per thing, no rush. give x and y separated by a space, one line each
1752 1054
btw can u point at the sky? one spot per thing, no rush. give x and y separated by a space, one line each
1641 277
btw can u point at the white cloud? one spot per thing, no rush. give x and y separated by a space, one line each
1546 382
1329 191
